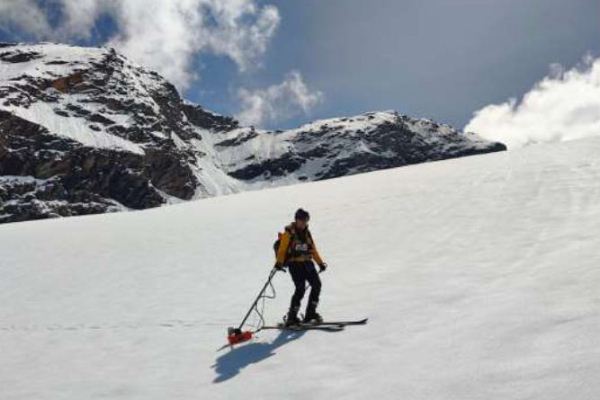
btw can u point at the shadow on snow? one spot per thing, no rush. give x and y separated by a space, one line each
231 363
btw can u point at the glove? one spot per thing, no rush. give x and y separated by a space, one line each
322 267
279 267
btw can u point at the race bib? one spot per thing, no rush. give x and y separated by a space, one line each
301 247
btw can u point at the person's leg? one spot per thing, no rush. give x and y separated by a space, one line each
297 272
312 276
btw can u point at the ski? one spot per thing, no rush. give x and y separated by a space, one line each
304 327
336 323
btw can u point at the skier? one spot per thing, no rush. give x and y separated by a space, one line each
297 251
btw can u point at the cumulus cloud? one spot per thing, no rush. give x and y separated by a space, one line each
163 35
80 17
229 36
563 106
24 15
290 98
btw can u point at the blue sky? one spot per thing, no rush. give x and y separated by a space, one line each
442 59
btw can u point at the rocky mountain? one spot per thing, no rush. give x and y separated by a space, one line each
85 130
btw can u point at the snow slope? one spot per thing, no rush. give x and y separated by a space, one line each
480 277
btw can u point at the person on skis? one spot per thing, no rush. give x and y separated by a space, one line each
296 251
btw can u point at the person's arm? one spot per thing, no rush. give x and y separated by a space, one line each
316 254
283 247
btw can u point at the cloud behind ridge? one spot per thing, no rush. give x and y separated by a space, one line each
565 105
290 98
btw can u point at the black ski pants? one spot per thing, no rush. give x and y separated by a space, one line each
301 273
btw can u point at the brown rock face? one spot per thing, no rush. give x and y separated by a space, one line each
66 83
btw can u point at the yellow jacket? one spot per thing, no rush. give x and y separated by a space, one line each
288 238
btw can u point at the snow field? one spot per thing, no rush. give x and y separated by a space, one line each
479 275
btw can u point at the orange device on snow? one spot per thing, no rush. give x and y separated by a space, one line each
236 335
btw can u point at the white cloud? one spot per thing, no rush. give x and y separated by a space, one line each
563 106
24 15
162 35
80 17
278 102
229 36
165 35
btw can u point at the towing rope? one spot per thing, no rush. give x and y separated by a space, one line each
259 310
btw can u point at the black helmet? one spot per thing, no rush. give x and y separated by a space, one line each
302 215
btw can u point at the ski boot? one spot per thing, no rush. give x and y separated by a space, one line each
312 316
291 319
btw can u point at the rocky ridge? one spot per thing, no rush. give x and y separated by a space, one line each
85 131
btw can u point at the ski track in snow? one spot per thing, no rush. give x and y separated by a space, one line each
479 277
